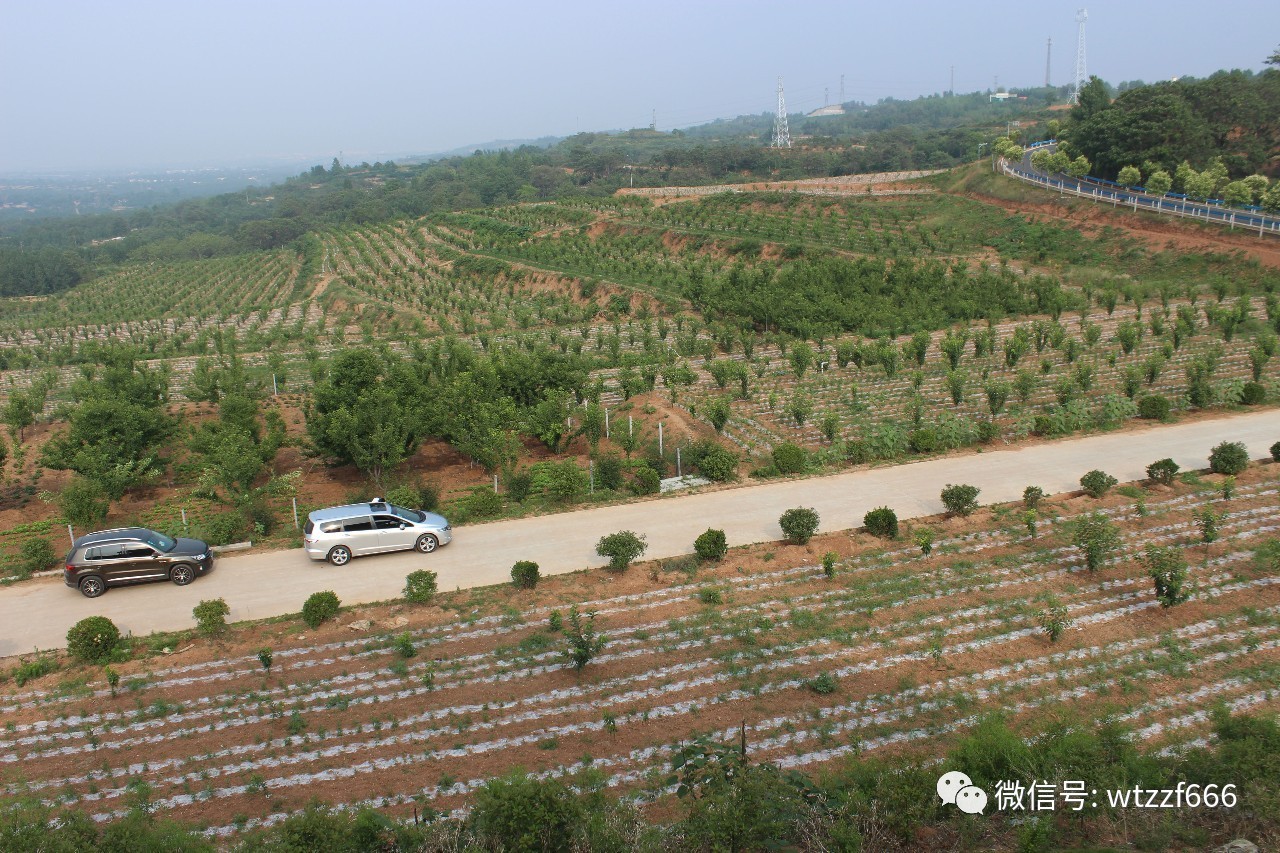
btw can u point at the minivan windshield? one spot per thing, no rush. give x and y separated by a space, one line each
407 514
160 542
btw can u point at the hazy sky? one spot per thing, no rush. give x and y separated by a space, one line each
89 84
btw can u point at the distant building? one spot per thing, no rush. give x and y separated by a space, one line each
1005 96
830 110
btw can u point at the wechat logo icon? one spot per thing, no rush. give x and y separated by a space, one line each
955 788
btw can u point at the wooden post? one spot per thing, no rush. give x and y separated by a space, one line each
295 513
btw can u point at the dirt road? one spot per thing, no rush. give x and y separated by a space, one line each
38 614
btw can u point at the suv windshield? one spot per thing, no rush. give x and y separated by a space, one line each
159 541
407 514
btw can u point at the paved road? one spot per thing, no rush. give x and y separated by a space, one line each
38 614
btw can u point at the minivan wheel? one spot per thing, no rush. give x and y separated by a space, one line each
426 543
340 555
92 587
182 574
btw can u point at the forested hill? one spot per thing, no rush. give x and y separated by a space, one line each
1232 115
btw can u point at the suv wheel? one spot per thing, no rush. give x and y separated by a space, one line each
426 543
182 574
92 587
340 555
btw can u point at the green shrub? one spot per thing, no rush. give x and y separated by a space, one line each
988 431
1168 569
30 670
829 563
960 499
519 813
710 595
1275 452
224 528
211 616
524 574
719 464
882 522
415 496
519 486
1097 483
93 639
1096 537
923 440
789 458
647 481
483 502
1229 457
799 524
1154 407
1031 497
1162 471
584 643
320 607
265 657
1253 393
83 502
621 548
824 683
404 645
36 555
711 545
420 586
608 472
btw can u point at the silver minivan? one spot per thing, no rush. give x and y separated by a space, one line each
339 533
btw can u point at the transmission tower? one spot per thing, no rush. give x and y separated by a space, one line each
1081 16
781 134
1048 60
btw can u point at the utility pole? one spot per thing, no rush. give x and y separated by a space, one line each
1048 55
1081 16
952 90
781 133
842 90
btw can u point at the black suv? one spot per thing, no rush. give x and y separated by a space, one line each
133 555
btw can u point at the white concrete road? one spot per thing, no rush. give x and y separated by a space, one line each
37 614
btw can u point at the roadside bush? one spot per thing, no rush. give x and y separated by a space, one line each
83 502
988 431
1031 497
621 548
93 639
1229 457
1097 483
647 481
483 502
420 586
609 472
524 574
36 555
711 545
415 496
882 522
1154 407
719 464
224 528
960 499
1253 393
789 458
924 440
1275 452
519 485
799 524
1162 471
320 607
211 616
260 518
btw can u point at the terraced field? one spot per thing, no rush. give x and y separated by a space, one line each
419 705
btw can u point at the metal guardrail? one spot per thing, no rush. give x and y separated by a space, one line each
1246 220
